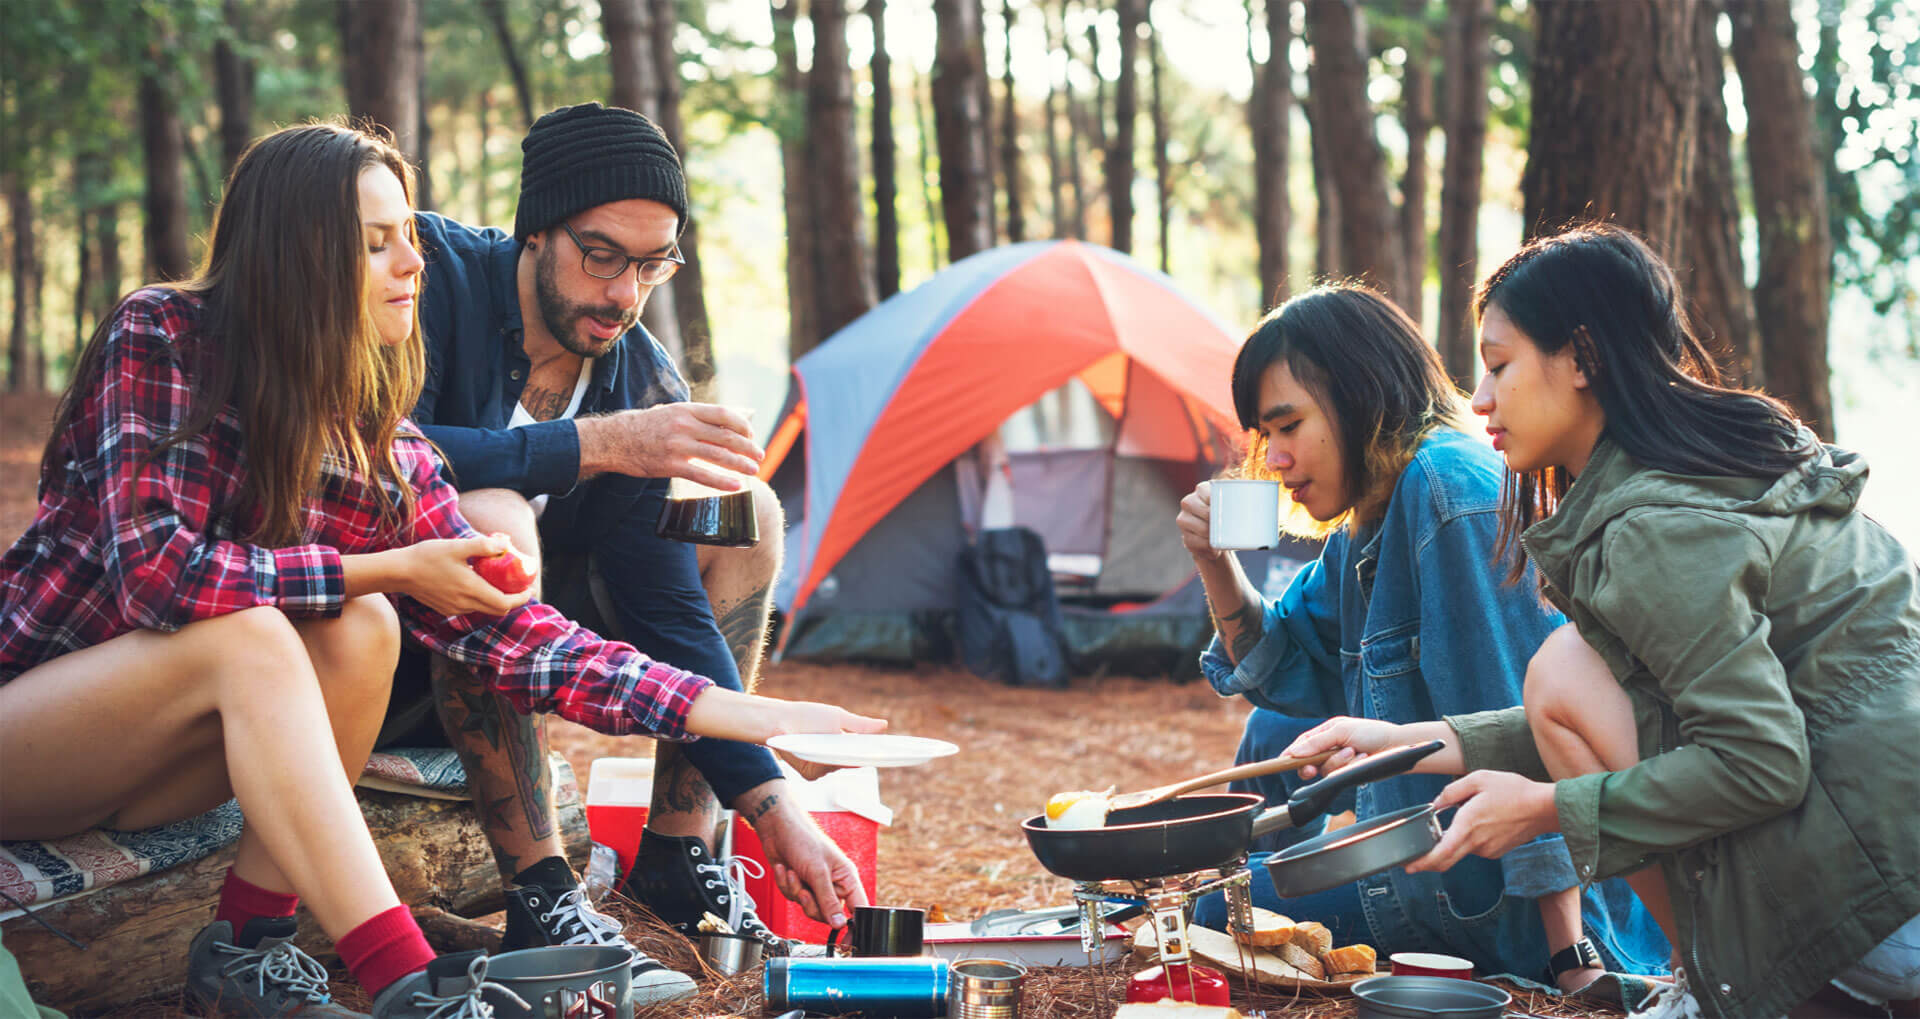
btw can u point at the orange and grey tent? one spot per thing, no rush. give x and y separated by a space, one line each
878 413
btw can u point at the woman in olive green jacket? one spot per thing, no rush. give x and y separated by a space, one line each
1737 696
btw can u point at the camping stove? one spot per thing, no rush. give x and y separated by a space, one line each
1168 900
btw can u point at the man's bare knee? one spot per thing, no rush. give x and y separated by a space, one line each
503 510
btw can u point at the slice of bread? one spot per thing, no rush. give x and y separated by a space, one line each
1269 928
1175 1010
1314 937
1302 960
1349 959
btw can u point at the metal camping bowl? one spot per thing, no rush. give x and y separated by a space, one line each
1429 998
1348 854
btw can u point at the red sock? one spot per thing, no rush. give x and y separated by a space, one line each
385 948
241 901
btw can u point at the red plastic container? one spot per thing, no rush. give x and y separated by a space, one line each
1180 981
618 827
858 837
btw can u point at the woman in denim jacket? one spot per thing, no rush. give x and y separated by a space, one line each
1403 619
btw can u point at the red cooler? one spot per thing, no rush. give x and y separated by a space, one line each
857 836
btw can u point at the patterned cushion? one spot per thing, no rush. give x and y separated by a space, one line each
39 872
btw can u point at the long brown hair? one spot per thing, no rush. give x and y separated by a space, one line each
287 342
1366 363
1599 290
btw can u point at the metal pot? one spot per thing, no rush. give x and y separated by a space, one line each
1429 998
1195 833
1348 854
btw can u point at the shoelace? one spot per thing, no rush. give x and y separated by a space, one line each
732 874
283 966
589 926
468 1004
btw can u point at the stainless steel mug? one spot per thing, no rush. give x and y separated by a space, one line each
883 931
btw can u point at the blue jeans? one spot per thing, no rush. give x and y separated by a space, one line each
1267 735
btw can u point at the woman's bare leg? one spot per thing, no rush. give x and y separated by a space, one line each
140 731
1583 723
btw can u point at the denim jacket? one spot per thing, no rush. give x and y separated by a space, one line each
1409 620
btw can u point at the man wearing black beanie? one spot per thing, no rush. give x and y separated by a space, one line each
561 420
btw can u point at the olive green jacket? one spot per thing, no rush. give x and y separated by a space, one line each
1769 635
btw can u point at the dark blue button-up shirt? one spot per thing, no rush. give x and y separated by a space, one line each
477 368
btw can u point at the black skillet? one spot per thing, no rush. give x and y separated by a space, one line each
1195 833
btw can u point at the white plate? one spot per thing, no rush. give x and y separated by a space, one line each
858 749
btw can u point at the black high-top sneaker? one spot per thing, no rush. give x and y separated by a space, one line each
546 907
679 879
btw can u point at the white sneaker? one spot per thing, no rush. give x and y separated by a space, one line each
1671 1001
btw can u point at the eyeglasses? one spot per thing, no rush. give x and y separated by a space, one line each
608 264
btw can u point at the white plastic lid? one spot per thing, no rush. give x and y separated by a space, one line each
620 782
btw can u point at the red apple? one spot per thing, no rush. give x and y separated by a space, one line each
511 571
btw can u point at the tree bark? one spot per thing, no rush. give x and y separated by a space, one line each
1614 103
689 286
496 14
1327 257
1096 123
1056 173
1269 117
1125 106
923 130
845 289
803 327
1010 136
630 30
1468 26
989 181
164 144
886 197
1791 294
1715 278
1162 170
1369 237
958 68
233 77
381 67
1416 118
433 851
1076 128
26 355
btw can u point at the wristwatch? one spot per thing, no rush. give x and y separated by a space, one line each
1578 955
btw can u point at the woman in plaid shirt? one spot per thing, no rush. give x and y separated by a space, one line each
235 525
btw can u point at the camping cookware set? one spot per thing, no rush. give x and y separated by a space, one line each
1189 834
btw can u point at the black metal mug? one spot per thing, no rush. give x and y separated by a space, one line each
876 931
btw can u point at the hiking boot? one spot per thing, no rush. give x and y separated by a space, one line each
258 974
679 880
536 917
1671 1001
451 987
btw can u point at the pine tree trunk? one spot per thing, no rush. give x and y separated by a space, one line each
1120 149
1789 200
1162 170
1327 256
1056 180
106 233
989 181
1369 237
923 130
1416 117
1614 103
1096 122
1010 136
845 288
957 116
689 286
423 104
26 358
233 77
496 14
803 326
164 143
381 66
886 241
1468 25
1076 119
1269 116
1714 277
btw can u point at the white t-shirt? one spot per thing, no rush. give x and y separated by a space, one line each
521 419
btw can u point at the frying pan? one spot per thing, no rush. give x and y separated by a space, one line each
1195 833
1348 854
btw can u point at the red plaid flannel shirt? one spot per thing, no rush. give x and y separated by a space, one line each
124 543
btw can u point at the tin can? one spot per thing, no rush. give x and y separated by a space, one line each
907 988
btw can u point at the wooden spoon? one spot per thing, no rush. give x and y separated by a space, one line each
1147 797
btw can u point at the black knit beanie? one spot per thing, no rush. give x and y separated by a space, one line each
581 156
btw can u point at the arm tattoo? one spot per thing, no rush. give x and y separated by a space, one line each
765 805
1241 630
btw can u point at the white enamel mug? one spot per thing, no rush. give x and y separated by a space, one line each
1243 513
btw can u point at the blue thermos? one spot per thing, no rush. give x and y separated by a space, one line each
906 988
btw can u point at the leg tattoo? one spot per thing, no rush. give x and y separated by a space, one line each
743 625
505 754
683 803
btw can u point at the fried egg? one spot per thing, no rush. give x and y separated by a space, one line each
1083 809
